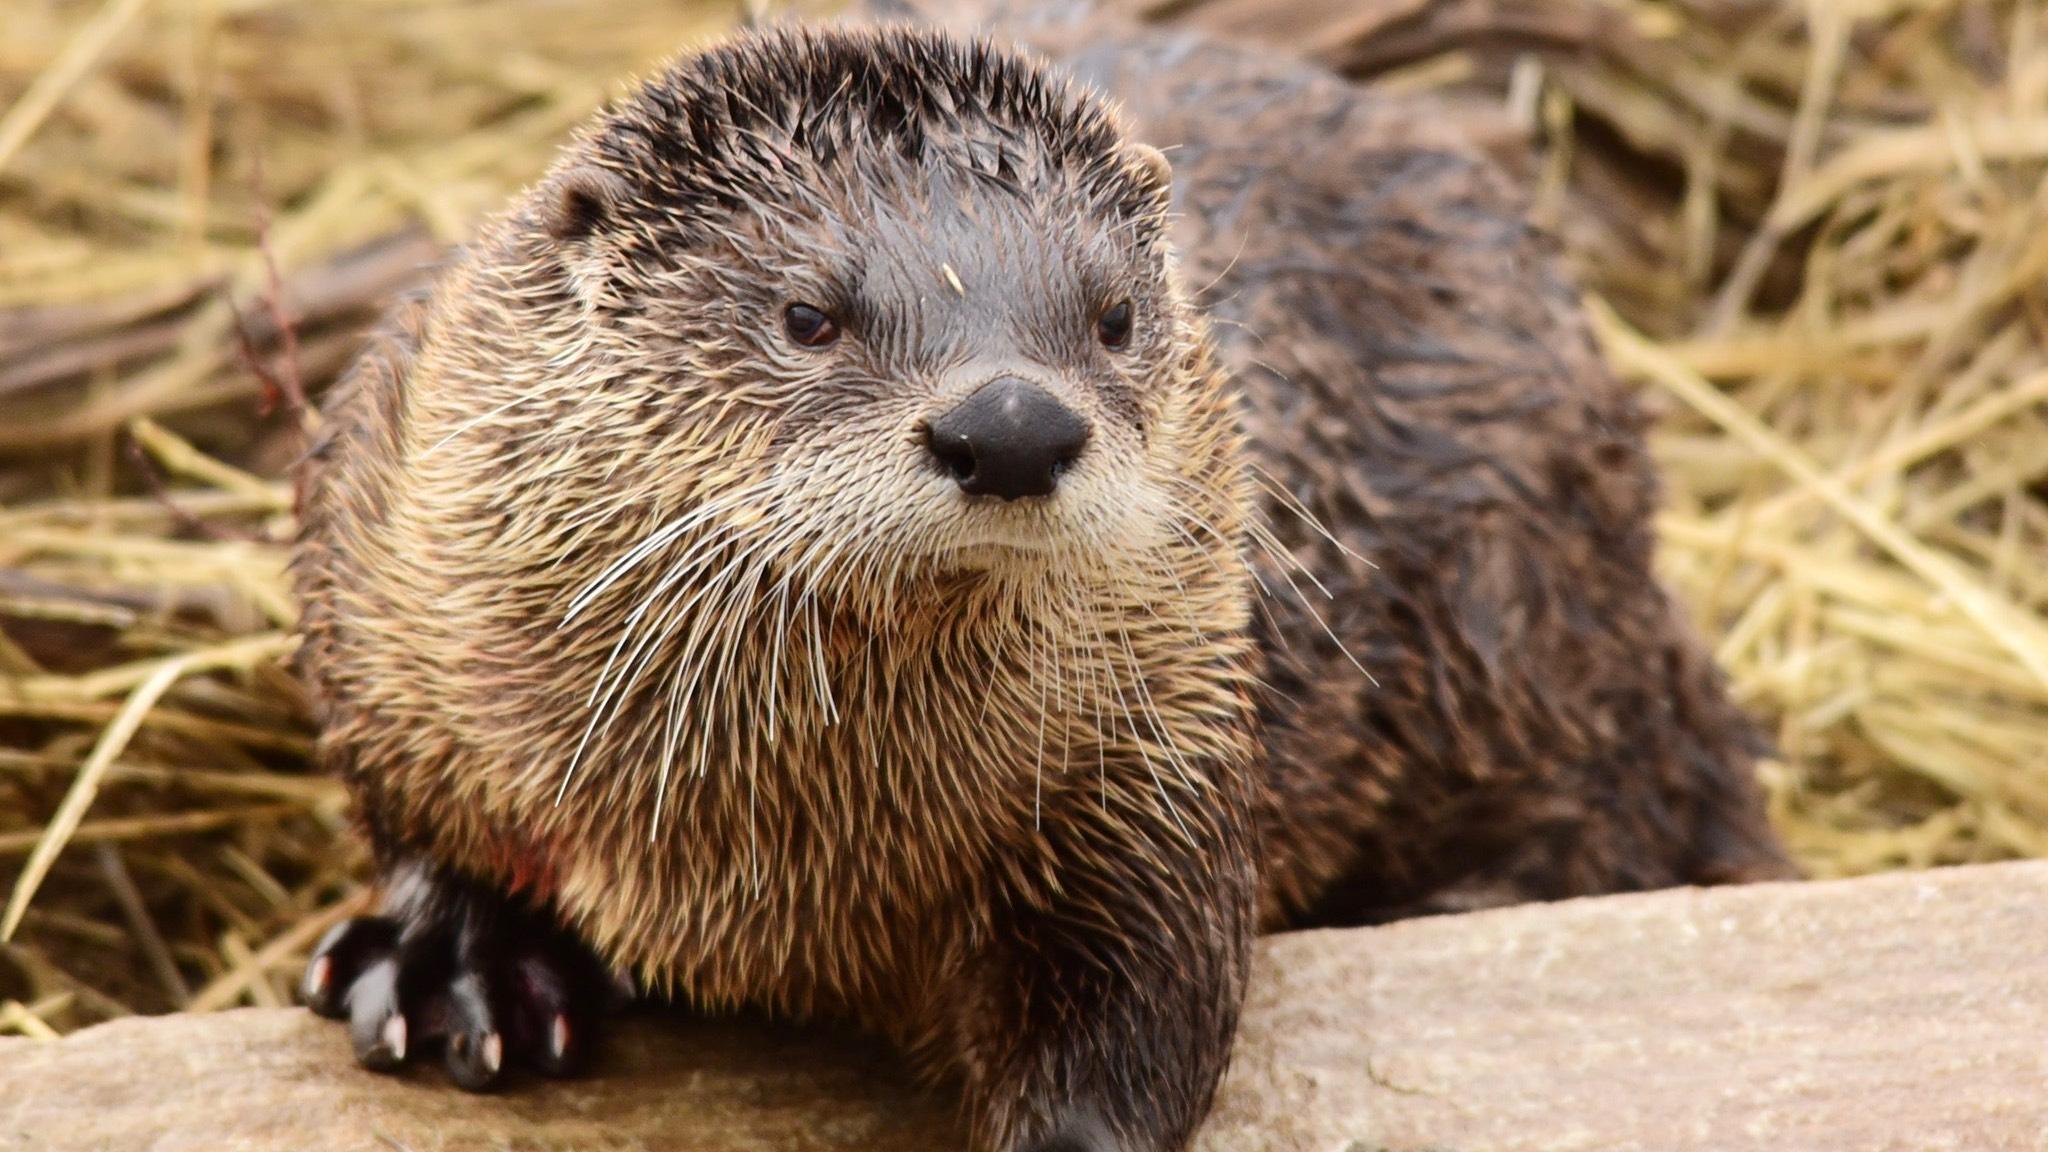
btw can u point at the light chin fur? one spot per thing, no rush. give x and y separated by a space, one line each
1100 520
1071 531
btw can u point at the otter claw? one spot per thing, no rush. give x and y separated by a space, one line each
545 1025
319 980
476 1049
480 1000
556 1054
341 957
376 1024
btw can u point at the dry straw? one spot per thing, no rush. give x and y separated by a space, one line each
1815 235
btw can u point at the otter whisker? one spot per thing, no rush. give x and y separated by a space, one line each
1201 522
1144 756
1174 511
570 535
821 681
1001 636
677 701
654 541
1149 708
712 645
683 566
693 560
614 695
1041 672
1324 624
730 631
1242 240
1098 681
775 658
1073 604
475 421
778 545
822 553
699 556
702 551
1280 492
687 669
647 546
1263 537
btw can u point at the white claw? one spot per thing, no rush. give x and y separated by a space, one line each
317 975
394 1036
558 1037
494 1052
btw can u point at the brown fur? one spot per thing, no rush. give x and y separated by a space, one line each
1009 806
1530 716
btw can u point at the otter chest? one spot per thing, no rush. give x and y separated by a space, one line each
831 867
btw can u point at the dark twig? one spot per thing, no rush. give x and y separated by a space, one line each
291 385
276 392
136 913
146 468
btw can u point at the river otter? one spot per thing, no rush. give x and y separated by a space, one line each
811 553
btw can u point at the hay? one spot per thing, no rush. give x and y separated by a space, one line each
1814 234
200 205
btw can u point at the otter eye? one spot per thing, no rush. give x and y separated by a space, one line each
808 326
1113 327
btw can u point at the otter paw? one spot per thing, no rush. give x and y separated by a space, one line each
530 996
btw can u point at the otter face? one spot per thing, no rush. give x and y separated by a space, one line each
996 369
920 292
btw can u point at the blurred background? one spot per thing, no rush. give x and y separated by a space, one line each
1814 234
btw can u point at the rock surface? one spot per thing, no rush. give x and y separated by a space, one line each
1902 1012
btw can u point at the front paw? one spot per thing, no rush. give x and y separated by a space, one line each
517 991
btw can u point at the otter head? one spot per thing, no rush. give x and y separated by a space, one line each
884 303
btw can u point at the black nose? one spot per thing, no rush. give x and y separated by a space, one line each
1010 439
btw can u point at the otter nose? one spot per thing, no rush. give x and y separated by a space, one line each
1010 439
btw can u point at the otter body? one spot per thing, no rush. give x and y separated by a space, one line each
813 553
1499 704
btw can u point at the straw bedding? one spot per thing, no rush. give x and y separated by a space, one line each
1815 234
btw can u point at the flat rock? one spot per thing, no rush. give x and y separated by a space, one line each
1898 1012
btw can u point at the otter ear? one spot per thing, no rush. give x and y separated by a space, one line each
581 201
1150 178
1151 167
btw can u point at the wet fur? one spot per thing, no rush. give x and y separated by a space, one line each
1503 705
1022 815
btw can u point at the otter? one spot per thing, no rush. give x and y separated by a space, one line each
869 537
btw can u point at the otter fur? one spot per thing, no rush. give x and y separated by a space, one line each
865 537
